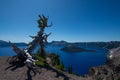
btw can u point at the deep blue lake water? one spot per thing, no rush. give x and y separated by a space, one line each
80 62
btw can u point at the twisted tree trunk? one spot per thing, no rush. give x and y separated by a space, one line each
40 38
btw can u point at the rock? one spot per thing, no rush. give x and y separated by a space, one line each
8 72
109 71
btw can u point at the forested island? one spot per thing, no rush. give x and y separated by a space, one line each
75 49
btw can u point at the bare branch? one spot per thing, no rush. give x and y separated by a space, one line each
50 25
32 37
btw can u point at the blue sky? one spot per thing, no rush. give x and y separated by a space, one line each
73 20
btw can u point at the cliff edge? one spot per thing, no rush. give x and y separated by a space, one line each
109 71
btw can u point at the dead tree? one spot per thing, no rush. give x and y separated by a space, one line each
20 54
41 38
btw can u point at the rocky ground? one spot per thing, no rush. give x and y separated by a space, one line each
19 72
109 71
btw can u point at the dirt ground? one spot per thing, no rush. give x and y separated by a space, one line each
16 72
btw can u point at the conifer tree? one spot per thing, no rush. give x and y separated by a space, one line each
70 69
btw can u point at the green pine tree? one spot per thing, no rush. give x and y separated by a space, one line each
70 70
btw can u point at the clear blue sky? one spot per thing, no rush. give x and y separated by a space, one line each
73 20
